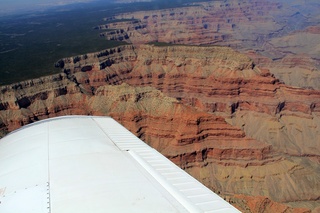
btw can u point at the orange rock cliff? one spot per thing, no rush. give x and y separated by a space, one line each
232 125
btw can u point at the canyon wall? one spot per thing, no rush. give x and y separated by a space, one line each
283 33
232 125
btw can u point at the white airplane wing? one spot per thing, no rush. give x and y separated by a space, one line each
82 164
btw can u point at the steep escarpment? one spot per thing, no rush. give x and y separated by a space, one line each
205 145
227 122
280 31
223 82
242 24
230 88
33 100
201 23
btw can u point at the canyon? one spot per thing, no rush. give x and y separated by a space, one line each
281 36
234 126
227 90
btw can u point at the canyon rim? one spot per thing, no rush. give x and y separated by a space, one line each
241 110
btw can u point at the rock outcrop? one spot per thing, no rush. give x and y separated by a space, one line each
231 86
231 125
281 31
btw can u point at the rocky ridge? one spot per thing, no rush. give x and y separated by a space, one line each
211 99
280 31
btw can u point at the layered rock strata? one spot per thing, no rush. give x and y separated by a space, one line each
268 147
221 81
281 31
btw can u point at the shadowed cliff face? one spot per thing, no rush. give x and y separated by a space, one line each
209 109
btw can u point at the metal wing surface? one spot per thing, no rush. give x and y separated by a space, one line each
93 164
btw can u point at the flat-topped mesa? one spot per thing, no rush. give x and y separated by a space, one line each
186 55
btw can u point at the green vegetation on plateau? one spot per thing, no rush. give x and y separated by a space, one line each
30 44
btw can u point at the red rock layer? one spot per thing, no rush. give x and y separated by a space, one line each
214 80
221 81
215 86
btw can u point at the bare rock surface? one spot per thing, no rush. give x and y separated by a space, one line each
232 125
284 32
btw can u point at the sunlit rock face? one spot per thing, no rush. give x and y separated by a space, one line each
211 110
282 36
